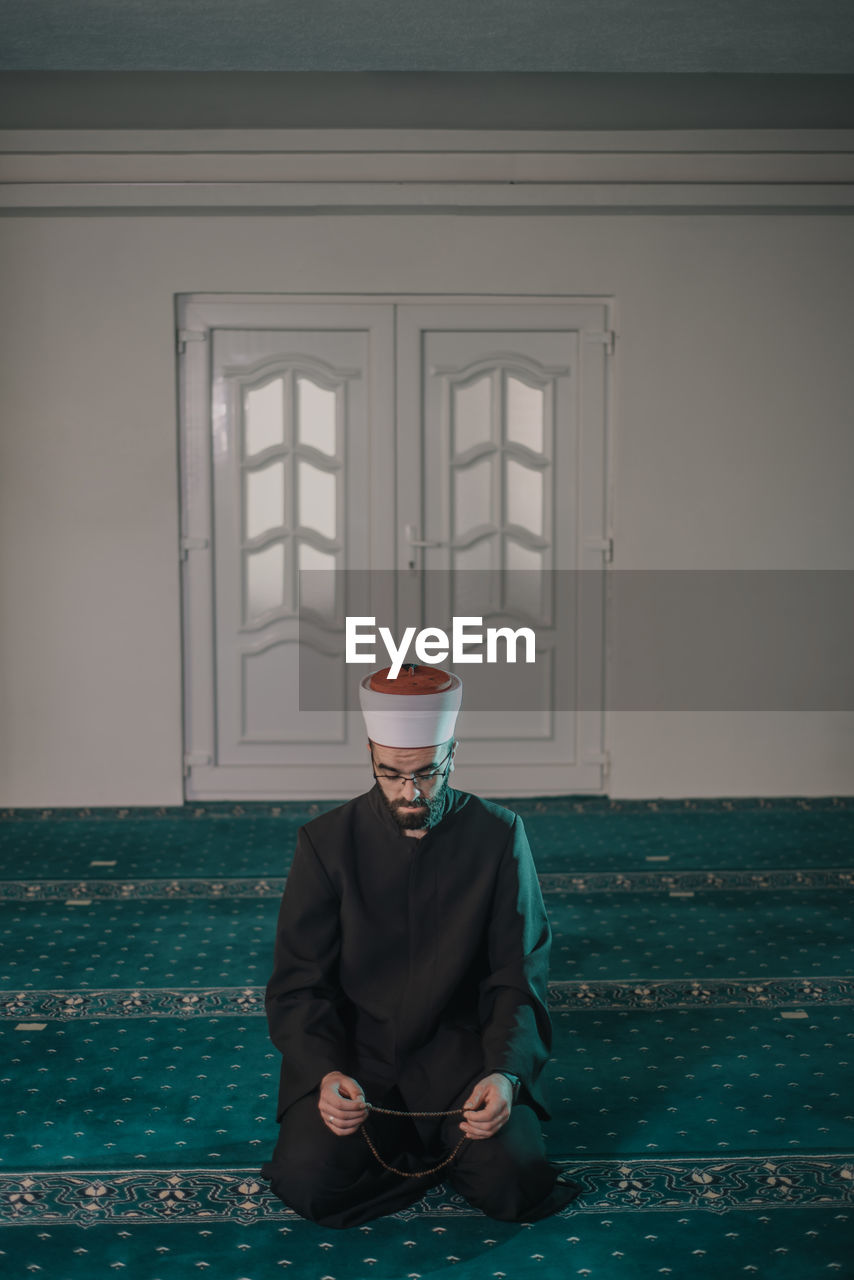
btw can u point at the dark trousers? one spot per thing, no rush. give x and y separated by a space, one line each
338 1182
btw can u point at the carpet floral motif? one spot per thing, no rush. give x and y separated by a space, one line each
48 1198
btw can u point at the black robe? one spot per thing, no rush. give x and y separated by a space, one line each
415 962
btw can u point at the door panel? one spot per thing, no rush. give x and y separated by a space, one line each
300 444
290 472
498 487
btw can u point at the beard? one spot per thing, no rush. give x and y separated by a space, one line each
427 814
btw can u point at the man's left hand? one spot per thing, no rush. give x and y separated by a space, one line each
487 1107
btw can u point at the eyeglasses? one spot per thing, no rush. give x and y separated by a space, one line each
422 777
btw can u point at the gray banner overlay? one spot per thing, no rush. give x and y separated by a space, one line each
630 640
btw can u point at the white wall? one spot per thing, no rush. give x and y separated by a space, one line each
733 449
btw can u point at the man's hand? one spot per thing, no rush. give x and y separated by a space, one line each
341 1103
488 1106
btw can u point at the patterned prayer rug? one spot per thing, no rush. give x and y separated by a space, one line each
702 987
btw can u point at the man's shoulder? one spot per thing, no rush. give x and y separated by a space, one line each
487 812
335 821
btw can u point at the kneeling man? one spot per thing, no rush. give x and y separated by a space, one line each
410 975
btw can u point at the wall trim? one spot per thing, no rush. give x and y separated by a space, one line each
266 171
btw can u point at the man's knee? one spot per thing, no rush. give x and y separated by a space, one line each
507 1175
310 1196
311 1170
510 1192
314 1190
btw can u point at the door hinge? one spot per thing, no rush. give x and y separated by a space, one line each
598 757
605 545
193 758
189 335
607 336
193 544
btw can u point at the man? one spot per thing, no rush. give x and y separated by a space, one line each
410 973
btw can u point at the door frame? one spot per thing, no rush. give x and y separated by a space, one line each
195 315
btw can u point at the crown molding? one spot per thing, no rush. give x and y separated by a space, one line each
267 171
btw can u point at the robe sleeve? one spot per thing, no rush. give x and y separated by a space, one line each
516 1029
303 999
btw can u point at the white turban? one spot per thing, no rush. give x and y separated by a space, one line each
418 709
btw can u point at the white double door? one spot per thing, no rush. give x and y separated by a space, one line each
464 435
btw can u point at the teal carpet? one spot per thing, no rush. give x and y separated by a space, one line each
702 988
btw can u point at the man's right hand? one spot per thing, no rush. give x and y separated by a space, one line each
341 1103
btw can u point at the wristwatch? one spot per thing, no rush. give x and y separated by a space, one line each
515 1081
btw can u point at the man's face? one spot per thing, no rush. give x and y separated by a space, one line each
413 803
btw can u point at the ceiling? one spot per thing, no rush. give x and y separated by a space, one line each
595 36
490 64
